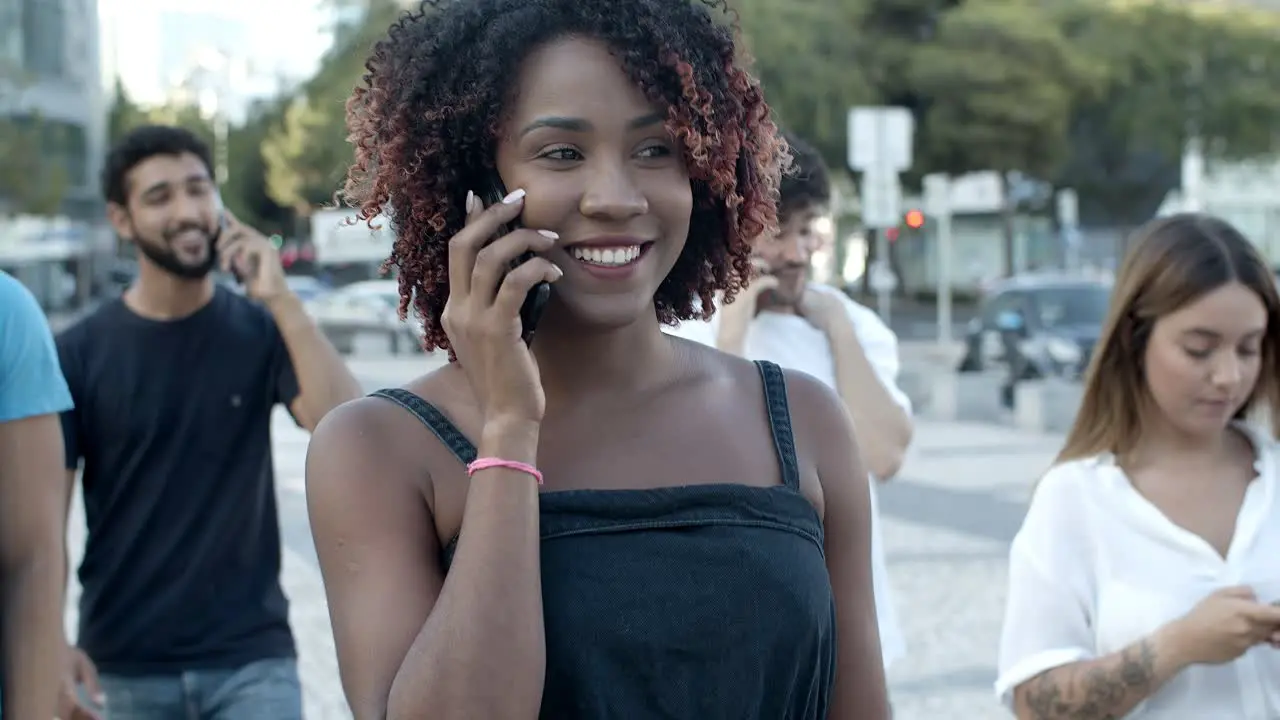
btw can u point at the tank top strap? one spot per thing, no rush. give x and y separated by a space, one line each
439 425
784 440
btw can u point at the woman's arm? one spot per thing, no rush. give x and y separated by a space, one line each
859 692
1109 687
1048 665
411 642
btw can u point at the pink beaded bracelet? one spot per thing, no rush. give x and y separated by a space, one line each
491 462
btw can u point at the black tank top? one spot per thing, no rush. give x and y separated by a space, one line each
697 602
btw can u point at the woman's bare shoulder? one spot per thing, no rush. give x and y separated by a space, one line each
376 437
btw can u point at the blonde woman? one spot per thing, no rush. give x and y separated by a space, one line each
1143 581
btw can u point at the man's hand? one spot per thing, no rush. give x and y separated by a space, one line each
736 317
254 259
80 672
822 309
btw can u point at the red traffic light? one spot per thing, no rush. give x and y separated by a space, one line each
891 233
914 219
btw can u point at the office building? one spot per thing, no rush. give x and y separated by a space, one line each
50 70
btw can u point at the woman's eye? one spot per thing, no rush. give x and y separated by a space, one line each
654 151
1199 353
563 153
1248 351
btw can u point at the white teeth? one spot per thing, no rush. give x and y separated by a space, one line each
606 256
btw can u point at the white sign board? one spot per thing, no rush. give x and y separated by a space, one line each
1068 208
937 194
880 139
977 192
881 200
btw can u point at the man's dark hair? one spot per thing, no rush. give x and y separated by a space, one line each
807 183
426 118
143 143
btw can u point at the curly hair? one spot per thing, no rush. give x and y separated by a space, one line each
426 119
808 183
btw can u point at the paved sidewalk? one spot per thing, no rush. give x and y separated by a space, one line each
947 521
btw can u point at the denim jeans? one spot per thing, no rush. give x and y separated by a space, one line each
263 690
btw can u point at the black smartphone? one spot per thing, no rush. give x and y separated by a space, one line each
536 301
217 235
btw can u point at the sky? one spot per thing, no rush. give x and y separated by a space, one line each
280 37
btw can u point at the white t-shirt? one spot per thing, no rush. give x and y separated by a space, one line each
1097 567
793 343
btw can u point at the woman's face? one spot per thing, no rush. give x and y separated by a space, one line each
1202 361
602 172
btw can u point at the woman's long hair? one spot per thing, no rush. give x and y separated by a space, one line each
1171 262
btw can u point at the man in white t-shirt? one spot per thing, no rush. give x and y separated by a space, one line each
786 318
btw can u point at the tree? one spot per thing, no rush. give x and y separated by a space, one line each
810 67
307 154
33 176
1172 73
245 191
1000 80
124 114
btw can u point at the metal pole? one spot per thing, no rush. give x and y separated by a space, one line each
884 295
220 141
937 190
944 279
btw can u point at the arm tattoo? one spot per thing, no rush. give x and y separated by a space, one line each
1094 693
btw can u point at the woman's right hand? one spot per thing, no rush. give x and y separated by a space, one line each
482 314
1223 626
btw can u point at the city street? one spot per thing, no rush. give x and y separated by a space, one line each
947 523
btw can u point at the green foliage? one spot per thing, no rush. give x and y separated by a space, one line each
1001 81
1099 95
124 114
1172 72
307 153
30 184
809 66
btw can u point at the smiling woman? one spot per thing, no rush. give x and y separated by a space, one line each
599 521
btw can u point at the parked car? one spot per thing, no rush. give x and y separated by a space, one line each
307 287
1059 320
369 306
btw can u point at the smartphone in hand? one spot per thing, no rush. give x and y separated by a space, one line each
217 235
536 301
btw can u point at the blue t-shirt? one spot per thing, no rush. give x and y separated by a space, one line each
31 381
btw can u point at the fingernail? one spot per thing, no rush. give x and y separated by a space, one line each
471 199
559 272
549 234
513 197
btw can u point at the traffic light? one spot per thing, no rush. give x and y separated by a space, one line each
891 234
914 219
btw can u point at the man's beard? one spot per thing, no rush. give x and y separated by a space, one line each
164 257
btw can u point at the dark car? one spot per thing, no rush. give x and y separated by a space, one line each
1058 320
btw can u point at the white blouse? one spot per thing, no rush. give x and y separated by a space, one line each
1097 567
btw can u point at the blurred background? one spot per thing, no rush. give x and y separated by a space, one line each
990 157
1061 125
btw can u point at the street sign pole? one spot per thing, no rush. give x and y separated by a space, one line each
880 145
937 198
1069 223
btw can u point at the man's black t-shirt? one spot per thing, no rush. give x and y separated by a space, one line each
181 568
